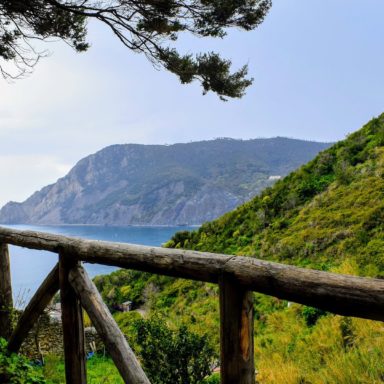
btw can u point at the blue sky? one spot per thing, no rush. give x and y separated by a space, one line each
318 74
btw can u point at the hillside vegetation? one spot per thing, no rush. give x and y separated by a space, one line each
329 214
329 211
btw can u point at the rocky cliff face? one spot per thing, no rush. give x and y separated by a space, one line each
162 185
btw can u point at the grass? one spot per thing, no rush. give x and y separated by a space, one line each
100 370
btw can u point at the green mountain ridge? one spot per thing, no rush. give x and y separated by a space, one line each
329 215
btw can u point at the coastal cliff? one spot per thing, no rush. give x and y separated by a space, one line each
162 184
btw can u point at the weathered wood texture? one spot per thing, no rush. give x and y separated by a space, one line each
114 340
236 333
72 321
341 294
6 301
34 309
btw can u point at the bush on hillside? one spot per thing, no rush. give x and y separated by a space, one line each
16 369
172 356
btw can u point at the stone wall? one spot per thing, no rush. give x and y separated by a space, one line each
48 335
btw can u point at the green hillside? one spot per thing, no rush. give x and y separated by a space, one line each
329 215
328 211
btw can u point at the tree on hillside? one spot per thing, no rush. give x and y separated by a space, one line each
143 26
172 356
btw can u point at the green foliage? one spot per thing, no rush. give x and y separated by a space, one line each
210 69
347 332
311 315
213 379
124 285
127 321
172 356
21 22
15 369
142 26
313 215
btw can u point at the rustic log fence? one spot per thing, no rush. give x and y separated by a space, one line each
236 276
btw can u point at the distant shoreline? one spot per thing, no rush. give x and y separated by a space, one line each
105 225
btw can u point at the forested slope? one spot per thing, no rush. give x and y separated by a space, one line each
329 214
328 211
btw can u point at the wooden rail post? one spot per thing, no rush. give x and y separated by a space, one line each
114 340
72 322
236 333
6 301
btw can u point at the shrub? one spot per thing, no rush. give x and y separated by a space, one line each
311 315
173 357
15 369
213 379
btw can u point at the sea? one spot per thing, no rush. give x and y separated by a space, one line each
30 267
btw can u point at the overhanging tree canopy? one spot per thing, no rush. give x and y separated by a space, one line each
144 26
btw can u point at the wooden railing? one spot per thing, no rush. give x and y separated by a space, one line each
237 277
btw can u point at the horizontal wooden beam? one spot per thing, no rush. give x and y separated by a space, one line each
114 340
172 262
34 309
341 294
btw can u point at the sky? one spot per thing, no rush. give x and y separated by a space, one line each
318 75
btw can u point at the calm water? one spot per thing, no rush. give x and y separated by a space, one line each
30 267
